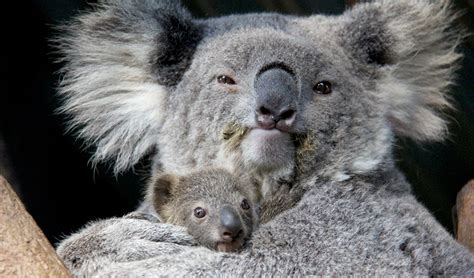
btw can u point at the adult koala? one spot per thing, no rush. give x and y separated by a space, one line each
313 102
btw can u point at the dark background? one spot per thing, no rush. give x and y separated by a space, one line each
51 173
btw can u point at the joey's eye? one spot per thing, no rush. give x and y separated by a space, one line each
245 204
199 212
224 79
323 88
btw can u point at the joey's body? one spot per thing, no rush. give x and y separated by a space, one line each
217 208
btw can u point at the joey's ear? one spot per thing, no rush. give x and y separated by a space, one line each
413 44
120 60
160 190
250 186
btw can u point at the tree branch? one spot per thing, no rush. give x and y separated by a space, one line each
24 250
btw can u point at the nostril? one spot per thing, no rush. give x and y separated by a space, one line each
287 114
231 235
239 233
264 111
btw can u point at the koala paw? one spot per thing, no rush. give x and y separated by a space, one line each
121 239
142 216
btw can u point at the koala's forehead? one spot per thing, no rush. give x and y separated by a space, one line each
212 185
281 39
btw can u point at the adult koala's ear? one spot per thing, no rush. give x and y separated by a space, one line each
413 45
121 59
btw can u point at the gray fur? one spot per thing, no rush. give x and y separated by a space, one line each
108 84
390 64
219 193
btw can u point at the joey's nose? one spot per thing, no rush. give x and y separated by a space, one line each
231 226
277 96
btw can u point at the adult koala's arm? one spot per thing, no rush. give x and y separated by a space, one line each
114 240
337 228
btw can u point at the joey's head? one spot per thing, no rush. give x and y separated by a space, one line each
255 91
216 208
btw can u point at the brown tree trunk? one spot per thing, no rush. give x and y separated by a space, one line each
24 250
465 216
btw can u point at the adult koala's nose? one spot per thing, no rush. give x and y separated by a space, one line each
231 225
277 96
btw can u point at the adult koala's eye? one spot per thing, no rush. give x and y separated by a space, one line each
199 212
224 79
323 88
245 204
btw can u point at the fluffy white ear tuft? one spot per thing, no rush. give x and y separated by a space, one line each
416 43
117 73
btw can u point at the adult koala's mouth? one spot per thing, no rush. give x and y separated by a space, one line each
234 134
265 148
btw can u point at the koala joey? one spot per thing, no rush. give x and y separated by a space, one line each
216 207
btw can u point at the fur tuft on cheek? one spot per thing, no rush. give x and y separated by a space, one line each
233 134
306 148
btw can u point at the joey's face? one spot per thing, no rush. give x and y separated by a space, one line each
223 226
216 212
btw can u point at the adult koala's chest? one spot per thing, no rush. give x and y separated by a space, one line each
351 234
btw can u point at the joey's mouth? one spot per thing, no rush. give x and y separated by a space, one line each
229 246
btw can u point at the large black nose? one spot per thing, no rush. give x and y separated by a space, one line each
277 96
231 226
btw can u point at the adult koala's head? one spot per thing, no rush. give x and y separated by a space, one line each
243 90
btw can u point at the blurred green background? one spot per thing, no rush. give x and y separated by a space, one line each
52 174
